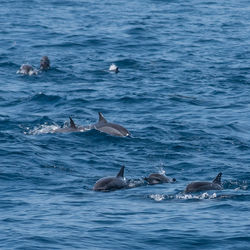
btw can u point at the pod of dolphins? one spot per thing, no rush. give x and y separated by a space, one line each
112 183
102 125
27 69
118 182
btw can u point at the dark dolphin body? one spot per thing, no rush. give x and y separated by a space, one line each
156 178
44 63
72 128
110 128
203 185
111 183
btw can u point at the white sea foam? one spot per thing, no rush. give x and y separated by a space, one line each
30 71
198 197
162 171
135 183
157 197
43 129
113 68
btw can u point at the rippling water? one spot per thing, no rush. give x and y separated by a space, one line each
182 92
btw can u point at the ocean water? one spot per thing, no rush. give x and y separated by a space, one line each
183 93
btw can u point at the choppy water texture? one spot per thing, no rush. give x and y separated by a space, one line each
183 93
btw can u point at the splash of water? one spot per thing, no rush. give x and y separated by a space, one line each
198 197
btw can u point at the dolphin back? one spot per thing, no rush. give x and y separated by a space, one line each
101 118
121 173
72 128
109 184
110 128
202 186
72 124
217 179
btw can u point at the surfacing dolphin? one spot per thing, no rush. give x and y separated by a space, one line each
71 128
113 68
102 125
110 128
156 178
27 69
44 63
111 183
204 185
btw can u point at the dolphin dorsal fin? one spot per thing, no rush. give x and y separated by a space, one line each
101 118
72 124
121 173
217 179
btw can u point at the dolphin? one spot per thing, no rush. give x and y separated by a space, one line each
102 125
113 68
111 183
156 178
44 63
72 128
110 128
204 185
27 69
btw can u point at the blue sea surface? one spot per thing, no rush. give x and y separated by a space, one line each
183 93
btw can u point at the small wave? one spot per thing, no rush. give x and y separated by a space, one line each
236 185
127 62
11 176
135 99
41 97
8 64
57 167
135 31
244 187
187 99
61 45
